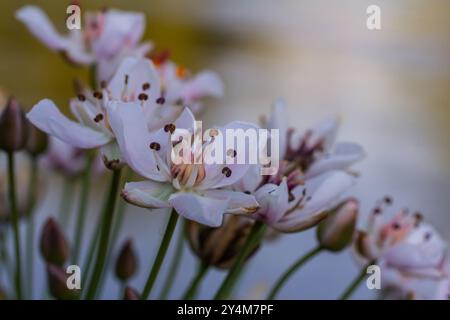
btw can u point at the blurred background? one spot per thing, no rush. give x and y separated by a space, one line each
390 87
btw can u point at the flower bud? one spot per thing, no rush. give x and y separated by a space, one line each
57 284
219 247
130 294
336 231
37 141
13 127
54 246
126 264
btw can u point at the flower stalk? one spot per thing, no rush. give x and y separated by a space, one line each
81 215
292 269
253 240
15 223
355 283
160 255
193 288
175 264
108 215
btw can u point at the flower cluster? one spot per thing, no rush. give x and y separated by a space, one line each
141 112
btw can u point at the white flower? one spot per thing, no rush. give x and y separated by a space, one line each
291 205
135 81
195 191
404 247
181 89
314 151
105 36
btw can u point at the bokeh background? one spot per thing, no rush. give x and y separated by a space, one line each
390 87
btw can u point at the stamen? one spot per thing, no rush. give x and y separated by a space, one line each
227 172
376 211
98 117
160 100
126 79
143 97
81 97
146 86
103 84
387 200
170 128
427 236
98 95
155 146
247 192
231 153
213 133
396 226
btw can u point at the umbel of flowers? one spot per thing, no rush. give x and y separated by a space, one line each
129 118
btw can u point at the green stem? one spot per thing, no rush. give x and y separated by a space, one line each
31 201
289 272
87 266
355 283
104 236
253 239
174 264
161 254
4 255
65 203
15 223
193 288
81 215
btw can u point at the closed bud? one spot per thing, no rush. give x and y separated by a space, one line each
130 294
126 264
54 246
13 127
219 247
37 141
57 284
336 231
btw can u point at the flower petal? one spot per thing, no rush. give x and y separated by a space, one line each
128 124
343 155
203 210
215 178
46 116
148 194
121 30
40 26
206 83
239 202
322 197
273 201
137 71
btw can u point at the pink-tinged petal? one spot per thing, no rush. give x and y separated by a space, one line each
46 116
279 120
204 210
76 51
239 202
320 198
240 164
40 26
422 248
273 201
120 30
148 194
134 139
137 71
342 156
204 84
